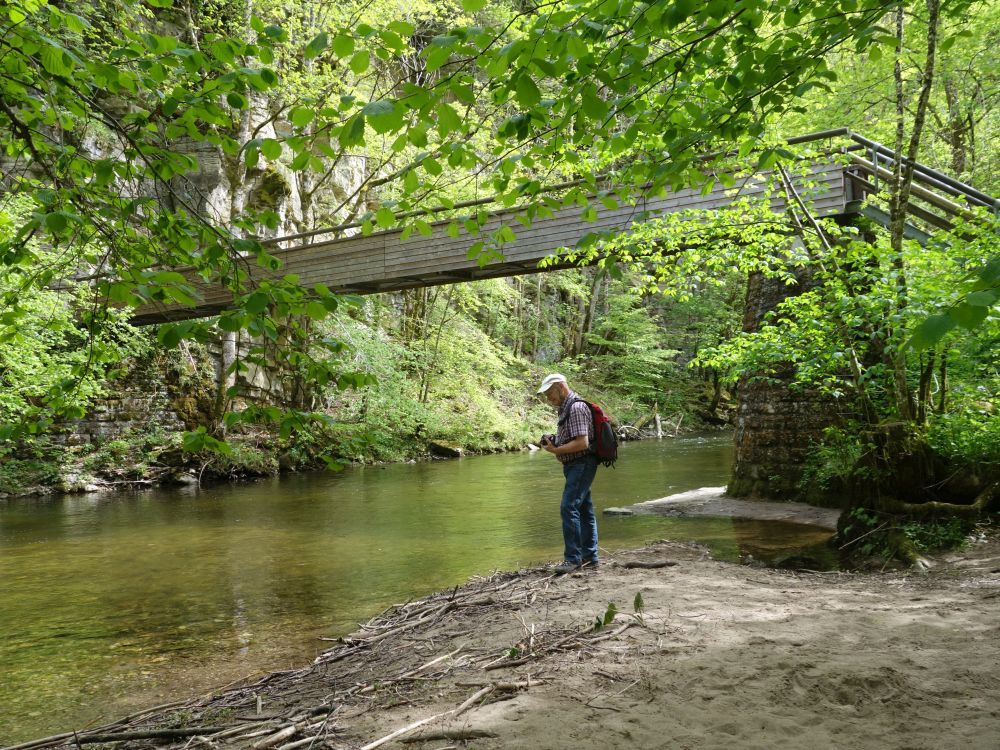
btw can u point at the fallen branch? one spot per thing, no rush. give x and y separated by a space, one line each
573 640
274 739
150 734
507 686
657 564
459 735
417 724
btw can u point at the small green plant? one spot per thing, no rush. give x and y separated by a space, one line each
609 617
970 437
19 475
639 607
867 530
937 535
836 459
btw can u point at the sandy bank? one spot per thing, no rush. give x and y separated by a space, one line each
713 501
719 656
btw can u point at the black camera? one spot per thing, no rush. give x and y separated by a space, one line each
546 439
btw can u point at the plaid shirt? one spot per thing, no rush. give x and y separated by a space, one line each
575 419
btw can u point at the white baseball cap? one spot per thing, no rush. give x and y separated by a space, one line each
551 380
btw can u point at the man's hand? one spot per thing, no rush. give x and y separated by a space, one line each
577 445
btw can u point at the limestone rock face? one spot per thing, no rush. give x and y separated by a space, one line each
220 189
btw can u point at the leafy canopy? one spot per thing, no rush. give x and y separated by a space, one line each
100 137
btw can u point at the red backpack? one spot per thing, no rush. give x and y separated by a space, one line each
605 445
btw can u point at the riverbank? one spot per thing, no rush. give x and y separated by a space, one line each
143 462
700 654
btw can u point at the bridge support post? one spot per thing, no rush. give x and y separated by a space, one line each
775 424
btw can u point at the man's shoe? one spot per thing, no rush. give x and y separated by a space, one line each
591 564
566 567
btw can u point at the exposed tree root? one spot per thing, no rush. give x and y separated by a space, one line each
987 501
903 548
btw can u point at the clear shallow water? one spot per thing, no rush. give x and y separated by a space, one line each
113 603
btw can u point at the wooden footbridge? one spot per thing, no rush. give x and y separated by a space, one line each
385 262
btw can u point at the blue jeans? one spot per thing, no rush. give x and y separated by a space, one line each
579 523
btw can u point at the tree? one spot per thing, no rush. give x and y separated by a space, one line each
631 93
883 324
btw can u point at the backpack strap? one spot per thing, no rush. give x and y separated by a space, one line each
591 444
569 407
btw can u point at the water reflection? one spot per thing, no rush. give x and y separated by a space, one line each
117 602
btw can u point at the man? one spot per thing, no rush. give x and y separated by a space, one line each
571 445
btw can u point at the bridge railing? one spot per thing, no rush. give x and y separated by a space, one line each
935 198
872 164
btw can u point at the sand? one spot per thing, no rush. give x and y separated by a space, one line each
719 656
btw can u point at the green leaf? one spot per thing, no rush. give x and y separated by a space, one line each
301 161
56 61
353 132
432 166
301 116
271 148
403 28
230 322
593 106
343 45
316 310
170 334
383 115
989 275
931 331
385 217
448 119
968 316
436 57
380 107
316 46
609 614
360 62
55 222
528 94
473 6
223 51
236 100
256 303
983 299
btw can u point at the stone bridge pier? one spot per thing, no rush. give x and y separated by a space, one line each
775 424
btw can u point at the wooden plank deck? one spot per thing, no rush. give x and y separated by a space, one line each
384 262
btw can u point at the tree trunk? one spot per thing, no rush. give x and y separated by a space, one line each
957 128
902 181
943 385
924 388
538 316
595 293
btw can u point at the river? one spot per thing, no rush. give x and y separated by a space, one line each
111 603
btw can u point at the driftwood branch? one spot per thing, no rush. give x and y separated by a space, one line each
274 739
654 564
146 734
454 735
417 724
